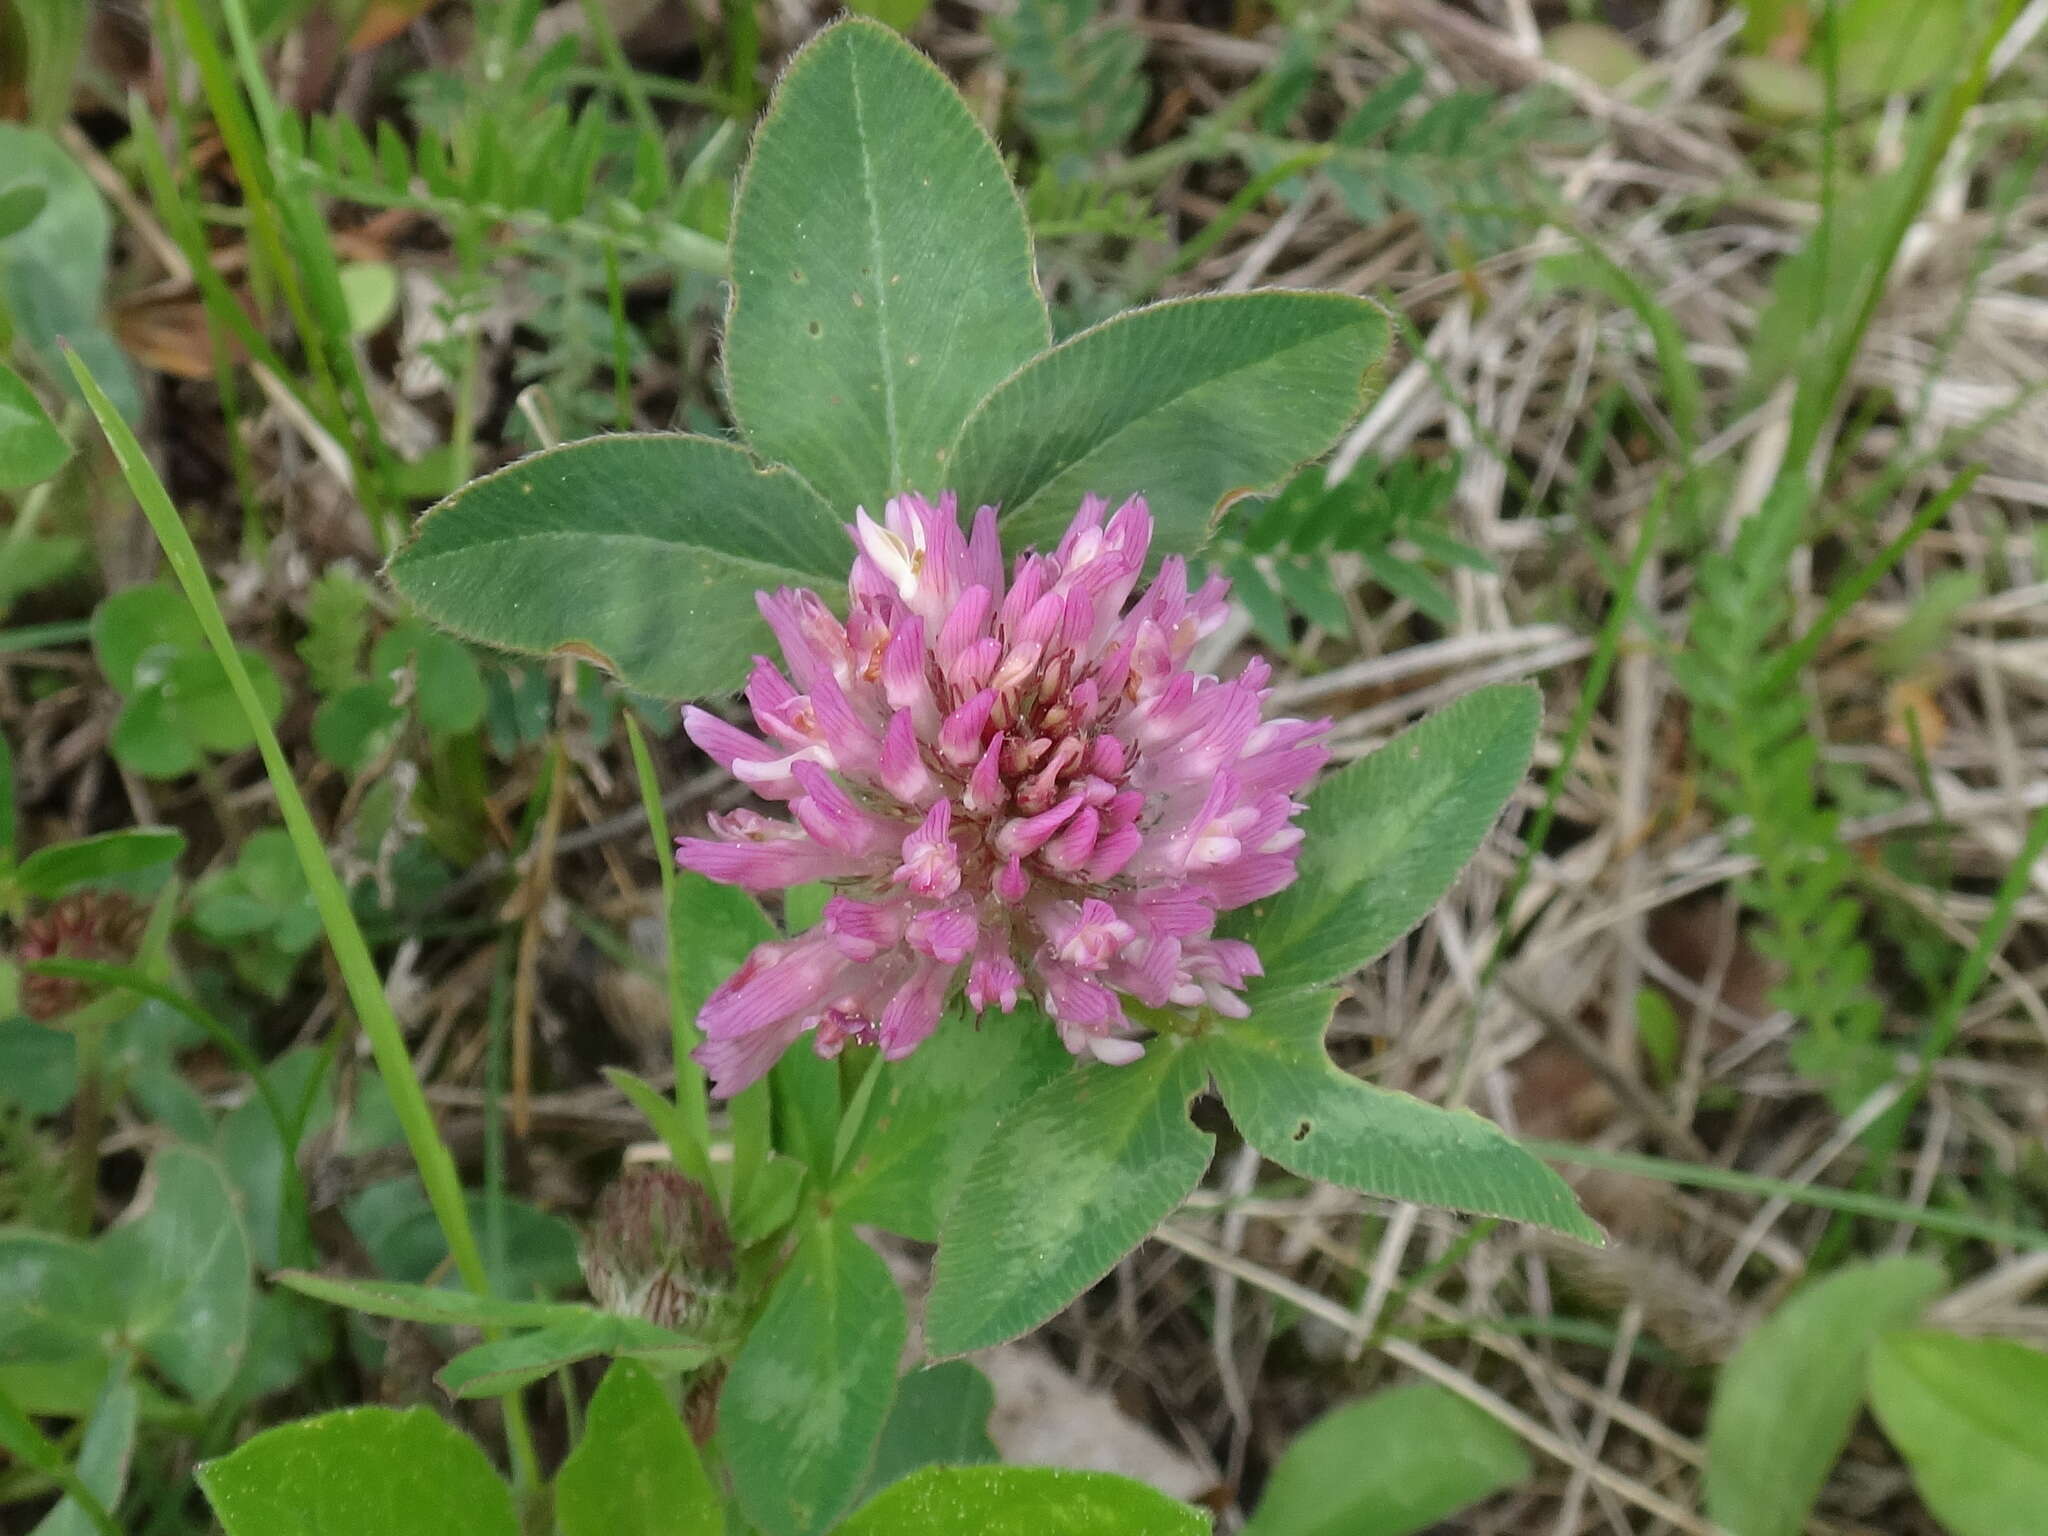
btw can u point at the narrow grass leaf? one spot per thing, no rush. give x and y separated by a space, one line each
10 821
684 1124
505 1365
101 1471
352 955
666 1118
50 872
1960 1223
30 1447
429 1303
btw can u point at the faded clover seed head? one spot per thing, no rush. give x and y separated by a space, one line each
659 1250
1017 788
86 925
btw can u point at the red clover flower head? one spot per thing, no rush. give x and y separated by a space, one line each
86 925
1016 788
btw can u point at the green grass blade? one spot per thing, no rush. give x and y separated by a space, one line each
690 1103
352 955
1735 1182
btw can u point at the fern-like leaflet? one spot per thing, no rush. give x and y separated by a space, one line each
1088 209
1305 549
1750 724
556 171
1080 93
1462 166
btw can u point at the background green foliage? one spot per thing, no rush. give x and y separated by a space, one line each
1701 409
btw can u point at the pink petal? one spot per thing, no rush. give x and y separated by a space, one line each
728 746
1073 999
902 766
993 981
967 623
777 982
864 930
743 1060
976 665
1073 845
985 784
985 551
1114 1050
931 866
813 641
1014 839
1251 877
1113 851
850 739
946 934
903 673
830 815
913 1013
1012 884
768 866
1028 584
960 738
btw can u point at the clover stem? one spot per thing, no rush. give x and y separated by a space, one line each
89 1112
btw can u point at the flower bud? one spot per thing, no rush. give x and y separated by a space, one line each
659 1250
86 925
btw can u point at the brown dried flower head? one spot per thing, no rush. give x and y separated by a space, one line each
86 925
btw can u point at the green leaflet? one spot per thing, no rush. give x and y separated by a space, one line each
643 552
180 1266
1189 403
635 1472
1023 1501
940 1418
1069 1182
1293 1104
407 1473
1785 1403
935 1109
1387 835
53 264
881 271
1971 1418
1392 1464
810 1391
31 447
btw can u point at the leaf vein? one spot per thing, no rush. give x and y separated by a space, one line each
877 283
